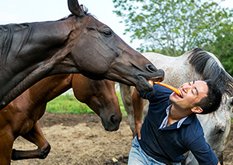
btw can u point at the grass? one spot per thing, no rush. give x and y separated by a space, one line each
67 103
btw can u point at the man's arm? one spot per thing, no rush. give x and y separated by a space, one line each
138 110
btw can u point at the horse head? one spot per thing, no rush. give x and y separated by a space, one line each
216 127
100 96
76 44
101 53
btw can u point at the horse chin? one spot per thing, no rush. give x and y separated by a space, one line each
111 127
144 85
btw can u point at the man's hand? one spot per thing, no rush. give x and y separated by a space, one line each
137 131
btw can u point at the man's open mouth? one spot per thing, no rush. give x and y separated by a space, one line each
180 94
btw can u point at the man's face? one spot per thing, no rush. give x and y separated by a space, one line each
191 93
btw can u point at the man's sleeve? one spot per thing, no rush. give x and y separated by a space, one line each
203 152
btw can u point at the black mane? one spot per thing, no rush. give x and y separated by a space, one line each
7 32
208 68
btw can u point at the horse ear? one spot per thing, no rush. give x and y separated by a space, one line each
74 7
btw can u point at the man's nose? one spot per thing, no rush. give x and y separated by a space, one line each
187 87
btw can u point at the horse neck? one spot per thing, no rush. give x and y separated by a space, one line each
34 40
49 88
41 46
36 57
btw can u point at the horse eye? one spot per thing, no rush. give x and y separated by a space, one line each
107 33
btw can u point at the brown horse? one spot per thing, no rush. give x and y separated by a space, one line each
76 44
20 117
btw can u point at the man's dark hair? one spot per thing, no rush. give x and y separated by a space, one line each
212 101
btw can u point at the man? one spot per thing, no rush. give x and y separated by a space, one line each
171 127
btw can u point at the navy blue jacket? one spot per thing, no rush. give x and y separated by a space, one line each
170 143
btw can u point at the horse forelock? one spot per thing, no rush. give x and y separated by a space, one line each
209 68
85 10
7 33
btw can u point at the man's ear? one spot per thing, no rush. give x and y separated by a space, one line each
197 109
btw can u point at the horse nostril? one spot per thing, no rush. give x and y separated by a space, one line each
114 119
151 68
221 130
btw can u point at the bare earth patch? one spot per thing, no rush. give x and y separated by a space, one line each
81 140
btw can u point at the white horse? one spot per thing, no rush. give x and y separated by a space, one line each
196 64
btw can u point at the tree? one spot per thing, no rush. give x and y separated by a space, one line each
222 47
172 26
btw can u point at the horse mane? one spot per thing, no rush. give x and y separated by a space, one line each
208 68
7 32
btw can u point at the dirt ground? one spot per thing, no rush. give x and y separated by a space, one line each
81 140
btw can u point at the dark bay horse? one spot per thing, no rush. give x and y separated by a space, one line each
76 44
19 118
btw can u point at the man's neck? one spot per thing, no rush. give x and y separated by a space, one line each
176 114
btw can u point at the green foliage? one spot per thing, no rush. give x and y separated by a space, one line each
69 104
173 26
124 113
222 47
